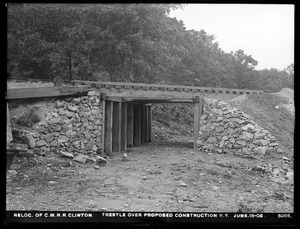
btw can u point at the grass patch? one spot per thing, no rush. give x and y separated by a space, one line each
28 118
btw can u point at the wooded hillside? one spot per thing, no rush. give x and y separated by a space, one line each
126 43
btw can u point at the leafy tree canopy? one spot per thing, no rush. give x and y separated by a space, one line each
126 43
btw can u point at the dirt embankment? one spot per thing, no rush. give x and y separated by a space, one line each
273 112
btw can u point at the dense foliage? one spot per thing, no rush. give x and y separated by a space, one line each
127 43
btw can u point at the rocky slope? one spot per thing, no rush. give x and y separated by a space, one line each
225 128
69 127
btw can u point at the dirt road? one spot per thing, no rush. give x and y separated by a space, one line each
159 176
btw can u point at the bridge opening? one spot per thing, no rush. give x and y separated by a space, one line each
172 125
127 120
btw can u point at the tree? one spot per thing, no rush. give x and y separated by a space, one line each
290 70
120 42
273 80
36 32
244 69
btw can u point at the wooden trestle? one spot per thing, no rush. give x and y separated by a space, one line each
127 108
127 113
127 121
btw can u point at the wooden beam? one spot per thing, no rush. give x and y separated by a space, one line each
137 125
130 124
120 126
141 95
198 109
158 97
116 127
108 126
140 123
124 127
13 79
17 147
153 100
149 123
143 114
160 87
44 92
112 98
196 123
201 107
146 123
103 124
9 137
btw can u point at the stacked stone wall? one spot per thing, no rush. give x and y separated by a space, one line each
224 128
71 125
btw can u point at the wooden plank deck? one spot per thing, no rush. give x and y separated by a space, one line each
44 92
122 86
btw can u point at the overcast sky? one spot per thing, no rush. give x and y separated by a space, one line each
264 31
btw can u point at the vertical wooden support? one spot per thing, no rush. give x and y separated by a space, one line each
129 124
146 123
103 125
142 123
198 106
201 107
196 120
108 119
149 124
136 125
116 127
124 127
9 137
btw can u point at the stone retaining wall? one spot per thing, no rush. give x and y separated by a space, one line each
72 125
224 128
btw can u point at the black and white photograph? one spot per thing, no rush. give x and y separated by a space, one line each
147 112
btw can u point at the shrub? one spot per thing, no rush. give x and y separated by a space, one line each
29 118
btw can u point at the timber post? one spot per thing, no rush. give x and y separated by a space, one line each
129 124
198 107
108 121
116 126
124 127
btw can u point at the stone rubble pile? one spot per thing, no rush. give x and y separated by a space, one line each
224 129
72 127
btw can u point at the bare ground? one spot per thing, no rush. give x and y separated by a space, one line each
161 176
